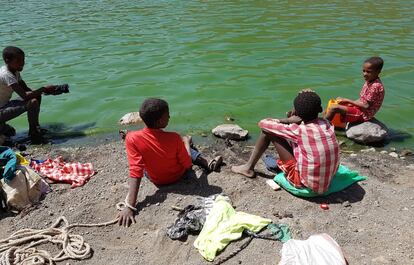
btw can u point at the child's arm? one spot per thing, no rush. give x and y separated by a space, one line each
357 102
25 94
136 172
183 151
126 216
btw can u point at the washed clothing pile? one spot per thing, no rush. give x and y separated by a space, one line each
76 174
192 218
9 161
223 225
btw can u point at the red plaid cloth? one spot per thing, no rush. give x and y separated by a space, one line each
57 170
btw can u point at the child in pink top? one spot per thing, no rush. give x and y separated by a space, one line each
370 97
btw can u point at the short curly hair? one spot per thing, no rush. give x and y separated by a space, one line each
307 105
376 62
11 52
152 110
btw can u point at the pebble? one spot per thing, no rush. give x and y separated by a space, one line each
410 166
402 157
393 154
346 204
353 155
145 233
384 152
157 204
372 149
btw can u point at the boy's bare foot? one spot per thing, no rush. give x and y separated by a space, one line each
243 170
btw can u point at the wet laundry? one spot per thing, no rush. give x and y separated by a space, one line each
8 163
223 225
57 170
192 218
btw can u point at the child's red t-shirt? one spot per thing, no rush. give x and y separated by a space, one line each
161 154
373 94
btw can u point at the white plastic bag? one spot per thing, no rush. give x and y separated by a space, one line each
316 250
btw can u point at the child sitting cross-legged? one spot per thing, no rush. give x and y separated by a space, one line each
163 157
307 146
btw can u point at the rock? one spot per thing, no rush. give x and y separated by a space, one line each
230 131
368 132
346 204
393 154
131 118
353 155
384 152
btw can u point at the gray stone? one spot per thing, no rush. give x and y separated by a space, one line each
393 154
131 118
230 131
368 132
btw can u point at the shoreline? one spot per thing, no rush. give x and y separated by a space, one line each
362 218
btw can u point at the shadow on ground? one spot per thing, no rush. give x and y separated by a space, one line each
189 185
59 133
352 194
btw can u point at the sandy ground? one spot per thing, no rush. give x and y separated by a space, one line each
375 227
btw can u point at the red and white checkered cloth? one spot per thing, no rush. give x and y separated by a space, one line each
57 170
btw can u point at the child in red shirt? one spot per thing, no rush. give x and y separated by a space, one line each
161 156
370 97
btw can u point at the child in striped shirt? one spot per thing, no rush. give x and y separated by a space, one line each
307 146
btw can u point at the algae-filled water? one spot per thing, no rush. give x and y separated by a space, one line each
208 59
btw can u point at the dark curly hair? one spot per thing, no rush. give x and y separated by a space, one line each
11 52
152 110
307 105
376 62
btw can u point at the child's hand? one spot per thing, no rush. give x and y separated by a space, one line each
49 89
126 217
339 99
291 113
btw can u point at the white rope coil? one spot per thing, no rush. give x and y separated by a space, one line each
19 248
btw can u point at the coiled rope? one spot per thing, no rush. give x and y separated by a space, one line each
19 248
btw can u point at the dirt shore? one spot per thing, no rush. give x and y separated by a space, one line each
372 221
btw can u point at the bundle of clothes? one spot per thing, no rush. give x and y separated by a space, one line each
217 224
23 182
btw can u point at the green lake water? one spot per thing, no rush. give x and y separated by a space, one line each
208 59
